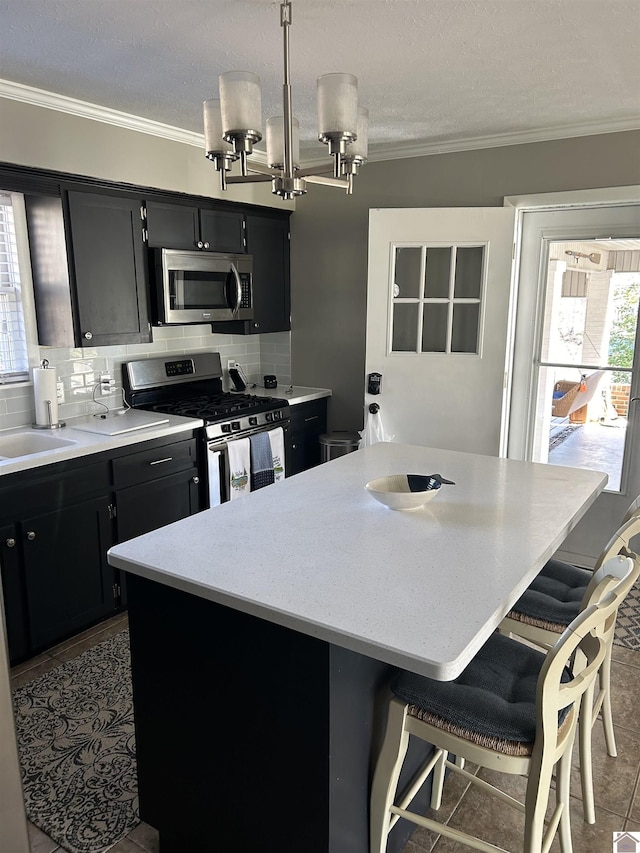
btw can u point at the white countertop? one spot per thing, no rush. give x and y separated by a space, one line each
85 443
422 590
298 393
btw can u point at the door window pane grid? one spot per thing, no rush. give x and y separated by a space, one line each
437 299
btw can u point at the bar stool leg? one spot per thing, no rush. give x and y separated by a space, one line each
585 727
437 782
386 776
563 783
607 717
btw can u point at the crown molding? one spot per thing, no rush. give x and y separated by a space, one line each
84 109
381 152
400 151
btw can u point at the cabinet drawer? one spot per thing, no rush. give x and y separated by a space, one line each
310 418
154 463
53 486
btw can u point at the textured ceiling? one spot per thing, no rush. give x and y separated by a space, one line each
431 71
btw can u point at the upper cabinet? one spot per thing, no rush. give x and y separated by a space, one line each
268 244
89 269
182 226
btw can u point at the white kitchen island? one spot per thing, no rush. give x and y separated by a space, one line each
264 631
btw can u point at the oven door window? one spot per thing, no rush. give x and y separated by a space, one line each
201 290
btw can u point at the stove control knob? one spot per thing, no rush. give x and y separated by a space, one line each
269 417
253 421
235 425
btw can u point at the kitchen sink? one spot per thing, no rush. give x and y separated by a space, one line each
27 443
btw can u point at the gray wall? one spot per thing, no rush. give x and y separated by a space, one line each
329 238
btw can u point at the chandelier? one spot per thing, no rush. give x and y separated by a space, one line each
232 126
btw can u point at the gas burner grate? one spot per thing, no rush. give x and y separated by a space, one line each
211 408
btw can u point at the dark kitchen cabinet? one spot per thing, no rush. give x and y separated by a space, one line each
57 527
155 487
268 244
308 422
89 269
13 592
68 582
58 522
182 226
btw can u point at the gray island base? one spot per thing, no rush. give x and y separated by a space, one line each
251 736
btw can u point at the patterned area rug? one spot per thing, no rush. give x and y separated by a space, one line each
77 749
628 624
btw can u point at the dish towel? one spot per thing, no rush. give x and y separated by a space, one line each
261 461
276 438
239 467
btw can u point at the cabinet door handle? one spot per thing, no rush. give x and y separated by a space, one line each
160 461
200 244
88 335
31 535
314 418
195 480
10 542
207 245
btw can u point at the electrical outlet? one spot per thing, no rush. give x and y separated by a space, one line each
60 392
107 384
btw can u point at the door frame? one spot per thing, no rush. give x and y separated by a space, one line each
526 336
583 544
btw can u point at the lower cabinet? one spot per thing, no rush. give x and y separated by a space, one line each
151 505
57 524
156 486
13 593
68 582
308 422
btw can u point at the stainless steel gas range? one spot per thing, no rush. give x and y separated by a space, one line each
191 385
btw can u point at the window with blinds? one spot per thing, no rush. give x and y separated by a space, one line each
13 343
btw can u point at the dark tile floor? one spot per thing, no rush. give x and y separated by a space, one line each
616 780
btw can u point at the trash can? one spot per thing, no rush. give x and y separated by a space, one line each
334 444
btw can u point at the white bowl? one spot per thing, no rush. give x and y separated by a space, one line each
395 492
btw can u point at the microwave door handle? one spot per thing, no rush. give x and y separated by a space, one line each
235 308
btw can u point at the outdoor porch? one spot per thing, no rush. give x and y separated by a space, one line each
594 444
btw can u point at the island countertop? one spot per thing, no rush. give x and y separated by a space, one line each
421 590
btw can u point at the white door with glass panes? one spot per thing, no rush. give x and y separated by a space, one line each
438 315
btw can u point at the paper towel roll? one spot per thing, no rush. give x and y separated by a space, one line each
44 388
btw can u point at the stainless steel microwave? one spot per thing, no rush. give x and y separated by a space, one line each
200 287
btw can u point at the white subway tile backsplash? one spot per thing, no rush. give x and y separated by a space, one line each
18 404
79 368
15 420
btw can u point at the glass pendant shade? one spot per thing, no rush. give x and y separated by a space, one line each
240 102
213 141
360 148
275 142
337 105
233 126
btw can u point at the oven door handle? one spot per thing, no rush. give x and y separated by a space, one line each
214 444
238 289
